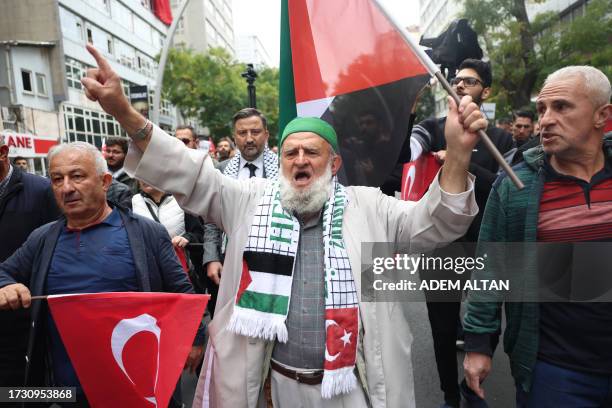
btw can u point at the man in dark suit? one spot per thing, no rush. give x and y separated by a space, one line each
253 159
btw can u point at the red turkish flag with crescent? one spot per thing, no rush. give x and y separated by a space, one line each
128 348
341 326
417 176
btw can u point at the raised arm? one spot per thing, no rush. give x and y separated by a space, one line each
103 85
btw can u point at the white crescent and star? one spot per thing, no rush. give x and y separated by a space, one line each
411 178
346 339
123 331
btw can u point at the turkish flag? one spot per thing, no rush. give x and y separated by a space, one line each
163 11
182 257
128 348
341 327
418 175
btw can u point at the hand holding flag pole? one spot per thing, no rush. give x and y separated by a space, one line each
435 71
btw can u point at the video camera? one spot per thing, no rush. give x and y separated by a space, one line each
454 45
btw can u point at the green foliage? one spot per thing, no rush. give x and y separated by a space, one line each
209 87
524 52
426 106
587 41
267 99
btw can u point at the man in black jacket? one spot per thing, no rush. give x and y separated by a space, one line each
26 203
116 150
473 78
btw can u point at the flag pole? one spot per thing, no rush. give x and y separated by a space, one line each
39 298
435 71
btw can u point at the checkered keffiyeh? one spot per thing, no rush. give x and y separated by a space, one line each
270 165
263 297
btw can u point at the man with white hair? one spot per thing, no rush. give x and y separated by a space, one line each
560 353
290 294
116 251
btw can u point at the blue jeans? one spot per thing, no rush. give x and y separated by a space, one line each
558 387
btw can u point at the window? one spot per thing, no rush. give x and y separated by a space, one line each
41 84
75 70
102 5
89 126
126 54
72 26
143 29
109 45
165 106
122 15
89 36
26 81
180 27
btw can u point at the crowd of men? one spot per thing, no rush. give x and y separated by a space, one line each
276 240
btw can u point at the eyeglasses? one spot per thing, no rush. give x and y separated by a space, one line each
520 126
467 81
186 141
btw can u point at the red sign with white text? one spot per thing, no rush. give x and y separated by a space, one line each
128 349
27 145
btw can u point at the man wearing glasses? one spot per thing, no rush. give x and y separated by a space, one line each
473 78
187 135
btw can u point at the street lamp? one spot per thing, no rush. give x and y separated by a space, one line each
250 75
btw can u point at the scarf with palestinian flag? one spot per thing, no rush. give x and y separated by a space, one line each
262 302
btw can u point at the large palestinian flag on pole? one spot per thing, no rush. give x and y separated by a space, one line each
345 62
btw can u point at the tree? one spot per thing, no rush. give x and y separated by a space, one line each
523 52
587 41
426 106
509 39
267 99
209 87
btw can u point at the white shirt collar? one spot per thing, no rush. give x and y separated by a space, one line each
259 161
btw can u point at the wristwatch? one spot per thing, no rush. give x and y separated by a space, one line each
143 132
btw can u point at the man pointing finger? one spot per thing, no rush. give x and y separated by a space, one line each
289 301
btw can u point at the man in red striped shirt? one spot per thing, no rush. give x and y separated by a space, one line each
561 352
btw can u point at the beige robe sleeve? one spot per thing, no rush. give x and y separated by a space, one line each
191 177
438 218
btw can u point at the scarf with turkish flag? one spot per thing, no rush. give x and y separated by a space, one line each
127 348
346 63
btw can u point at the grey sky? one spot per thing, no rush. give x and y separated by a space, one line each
262 18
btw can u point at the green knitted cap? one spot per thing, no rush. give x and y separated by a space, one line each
314 125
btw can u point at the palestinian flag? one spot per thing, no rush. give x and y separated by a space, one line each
265 283
345 62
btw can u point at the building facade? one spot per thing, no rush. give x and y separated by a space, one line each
44 58
204 24
250 50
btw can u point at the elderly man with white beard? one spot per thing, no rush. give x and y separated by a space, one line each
290 299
